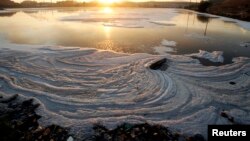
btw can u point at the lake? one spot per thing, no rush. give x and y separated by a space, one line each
129 30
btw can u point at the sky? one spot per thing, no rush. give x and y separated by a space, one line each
92 0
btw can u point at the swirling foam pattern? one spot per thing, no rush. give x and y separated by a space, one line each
79 87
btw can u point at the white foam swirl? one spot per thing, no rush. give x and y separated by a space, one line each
79 87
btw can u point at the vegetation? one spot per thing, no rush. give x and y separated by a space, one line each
239 9
70 3
204 5
7 4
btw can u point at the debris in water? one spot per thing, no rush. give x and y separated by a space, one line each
232 83
161 64
228 117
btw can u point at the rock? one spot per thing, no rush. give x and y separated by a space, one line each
18 121
231 119
135 132
159 65
228 117
181 139
232 83
46 132
38 129
224 114
27 102
70 139
8 100
197 137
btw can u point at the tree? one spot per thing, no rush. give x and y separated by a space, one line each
7 3
204 5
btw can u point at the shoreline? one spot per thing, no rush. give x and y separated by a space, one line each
234 16
231 15
241 23
19 121
225 15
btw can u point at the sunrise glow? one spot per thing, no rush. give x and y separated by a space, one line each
107 10
108 2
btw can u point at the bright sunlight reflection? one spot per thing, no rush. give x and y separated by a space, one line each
107 31
107 10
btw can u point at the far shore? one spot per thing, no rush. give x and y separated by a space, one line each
229 14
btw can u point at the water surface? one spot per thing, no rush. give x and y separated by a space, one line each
130 30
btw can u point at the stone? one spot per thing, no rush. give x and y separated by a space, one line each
159 65
70 139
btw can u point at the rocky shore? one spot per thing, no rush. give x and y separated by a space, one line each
19 122
139 132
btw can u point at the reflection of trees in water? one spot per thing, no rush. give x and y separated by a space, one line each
30 12
40 14
202 18
188 21
71 10
7 14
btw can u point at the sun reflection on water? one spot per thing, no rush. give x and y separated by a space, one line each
107 31
107 45
107 10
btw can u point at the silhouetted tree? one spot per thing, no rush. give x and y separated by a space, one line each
204 5
7 3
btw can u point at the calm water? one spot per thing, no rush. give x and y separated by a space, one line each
129 30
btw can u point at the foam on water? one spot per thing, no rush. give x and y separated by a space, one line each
164 23
126 19
168 43
215 56
115 24
79 87
163 50
245 44
165 47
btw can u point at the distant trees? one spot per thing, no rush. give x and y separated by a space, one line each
238 9
204 5
29 3
7 3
